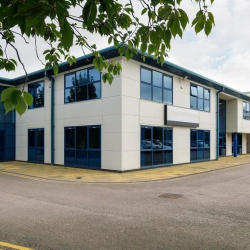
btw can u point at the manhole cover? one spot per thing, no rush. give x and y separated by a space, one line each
171 196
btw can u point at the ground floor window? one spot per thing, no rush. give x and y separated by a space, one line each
83 146
36 145
200 145
7 141
239 144
156 146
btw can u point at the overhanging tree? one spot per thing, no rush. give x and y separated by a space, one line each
151 31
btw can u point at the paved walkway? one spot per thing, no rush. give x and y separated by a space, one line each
45 172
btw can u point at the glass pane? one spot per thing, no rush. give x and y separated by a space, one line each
168 157
206 105
2 142
81 137
10 129
146 158
40 138
239 142
193 90
157 158
40 155
146 91
9 154
2 154
145 75
95 138
157 138
94 159
40 88
32 88
244 106
39 101
146 138
200 154
10 117
206 94
94 90
193 102
247 106
200 92
207 153
168 82
207 139
157 94
200 142
193 138
81 158
10 141
70 157
32 138
2 118
70 80
193 155
94 75
167 96
81 77
81 93
70 138
200 104
167 139
157 79
69 95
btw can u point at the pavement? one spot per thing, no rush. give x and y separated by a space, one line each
60 173
203 211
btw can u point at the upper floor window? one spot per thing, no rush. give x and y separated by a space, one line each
199 98
37 91
82 85
156 86
246 110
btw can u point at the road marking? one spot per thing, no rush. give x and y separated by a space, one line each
5 244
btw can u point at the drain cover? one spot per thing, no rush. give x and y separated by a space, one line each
171 196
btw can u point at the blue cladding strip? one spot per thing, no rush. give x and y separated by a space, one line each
235 144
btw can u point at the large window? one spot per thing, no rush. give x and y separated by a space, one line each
199 145
156 86
199 98
83 146
37 91
222 127
82 85
7 133
156 146
36 145
246 110
239 144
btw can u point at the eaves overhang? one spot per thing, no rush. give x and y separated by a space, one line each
112 52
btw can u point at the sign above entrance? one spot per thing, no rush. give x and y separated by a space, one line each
176 116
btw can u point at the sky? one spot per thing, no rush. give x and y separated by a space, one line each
224 56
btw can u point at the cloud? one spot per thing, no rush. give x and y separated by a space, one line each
224 56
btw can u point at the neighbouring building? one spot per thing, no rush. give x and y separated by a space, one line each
150 116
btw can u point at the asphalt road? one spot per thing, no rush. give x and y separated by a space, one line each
213 213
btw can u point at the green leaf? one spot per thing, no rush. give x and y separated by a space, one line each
15 96
199 26
6 94
89 12
67 33
208 27
144 11
35 19
175 27
143 47
21 106
28 98
183 18
8 105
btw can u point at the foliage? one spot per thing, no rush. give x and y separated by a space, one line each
54 21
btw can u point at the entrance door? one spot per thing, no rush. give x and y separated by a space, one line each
36 145
248 143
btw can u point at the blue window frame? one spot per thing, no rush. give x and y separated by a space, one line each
82 85
82 146
246 110
7 133
36 145
199 98
156 86
156 146
239 144
199 145
222 127
37 91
